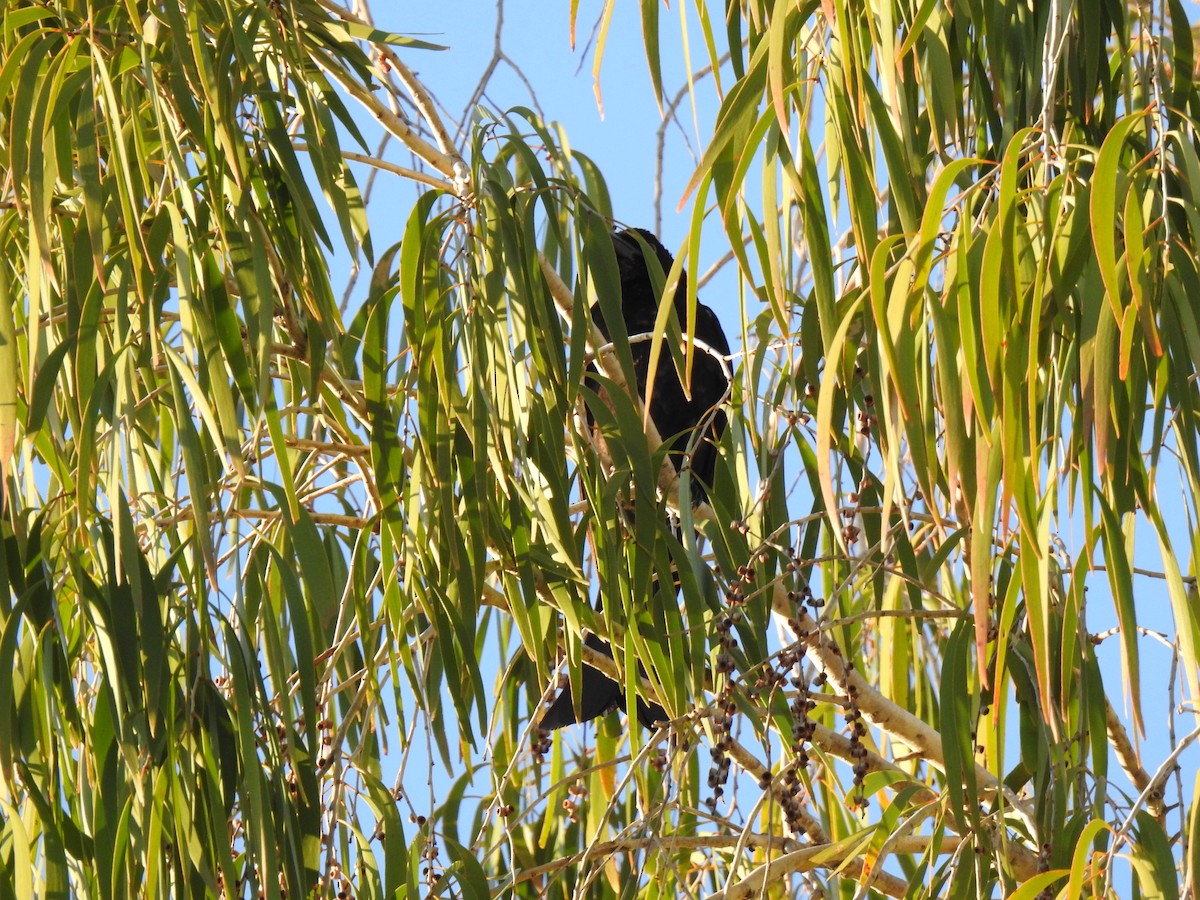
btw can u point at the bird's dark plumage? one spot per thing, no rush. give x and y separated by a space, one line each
597 695
675 415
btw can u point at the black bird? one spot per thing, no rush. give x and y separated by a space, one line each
675 415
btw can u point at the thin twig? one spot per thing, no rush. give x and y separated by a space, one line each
376 163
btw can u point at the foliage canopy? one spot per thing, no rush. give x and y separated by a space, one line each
263 544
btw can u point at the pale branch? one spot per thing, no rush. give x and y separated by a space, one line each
661 844
450 165
498 56
421 99
808 859
424 103
814 831
1190 581
1151 794
835 744
489 69
1023 862
892 719
334 447
668 116
715 268
402 171
824 738
357 523
1127 758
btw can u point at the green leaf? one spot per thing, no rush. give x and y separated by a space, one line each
649 10
1153 861
1105 186
957 715
363 32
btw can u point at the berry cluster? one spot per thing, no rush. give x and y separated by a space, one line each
804 627
576 794
541 745
429 856
325 729
791 800
659 760
718 774
338 880
858 730
724 705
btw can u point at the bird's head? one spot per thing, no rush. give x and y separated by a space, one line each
632 263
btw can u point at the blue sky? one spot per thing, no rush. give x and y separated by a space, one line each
536 36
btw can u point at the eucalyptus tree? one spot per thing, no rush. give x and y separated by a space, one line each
273 556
